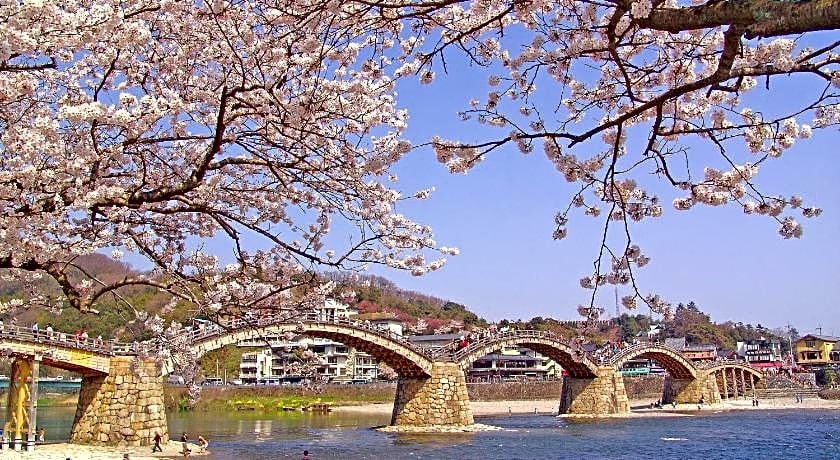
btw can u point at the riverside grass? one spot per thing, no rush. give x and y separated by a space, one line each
276 399
269 403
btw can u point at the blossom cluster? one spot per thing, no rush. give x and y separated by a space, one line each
153 129
639 67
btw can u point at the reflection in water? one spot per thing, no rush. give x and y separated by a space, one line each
262 428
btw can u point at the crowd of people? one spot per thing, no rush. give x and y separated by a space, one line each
79 337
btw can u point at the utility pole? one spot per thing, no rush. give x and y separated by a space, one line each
790 341
616 303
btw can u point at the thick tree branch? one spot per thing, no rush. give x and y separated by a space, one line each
760 18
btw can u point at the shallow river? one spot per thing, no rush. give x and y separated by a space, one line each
772 434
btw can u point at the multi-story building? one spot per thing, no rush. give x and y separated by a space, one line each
276 361
761 353
817 350
515 363
511 363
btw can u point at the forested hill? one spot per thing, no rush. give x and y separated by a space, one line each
688 321
115 315
375 296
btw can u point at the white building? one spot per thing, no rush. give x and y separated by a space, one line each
275 363
513 363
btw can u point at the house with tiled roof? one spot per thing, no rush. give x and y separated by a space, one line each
814 350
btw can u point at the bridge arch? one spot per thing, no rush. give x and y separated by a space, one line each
725 365
677 365
403 357
573 361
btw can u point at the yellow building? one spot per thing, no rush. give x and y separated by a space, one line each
815 350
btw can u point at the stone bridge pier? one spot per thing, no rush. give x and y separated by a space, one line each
123 408
691 391
440 399
603 394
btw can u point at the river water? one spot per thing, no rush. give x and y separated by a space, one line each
771 434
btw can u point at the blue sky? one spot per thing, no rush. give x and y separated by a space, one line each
501 216
734 266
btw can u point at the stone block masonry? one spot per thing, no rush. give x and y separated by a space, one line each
123 408
602 395
684 391
441 399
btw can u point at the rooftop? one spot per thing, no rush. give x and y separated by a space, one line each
824 338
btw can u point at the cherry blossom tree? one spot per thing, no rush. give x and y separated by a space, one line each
172 129
419 327
386 372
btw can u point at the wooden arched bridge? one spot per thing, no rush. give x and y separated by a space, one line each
121 398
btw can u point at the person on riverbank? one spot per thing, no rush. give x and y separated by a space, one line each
157 439
202 444
186 448
305 455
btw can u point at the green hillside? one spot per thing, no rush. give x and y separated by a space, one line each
374 296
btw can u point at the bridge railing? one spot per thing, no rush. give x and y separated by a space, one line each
56 338
240 323
721 362
449 352
443 353
624 352
458 354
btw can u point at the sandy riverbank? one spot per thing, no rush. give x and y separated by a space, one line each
76 452
640 408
